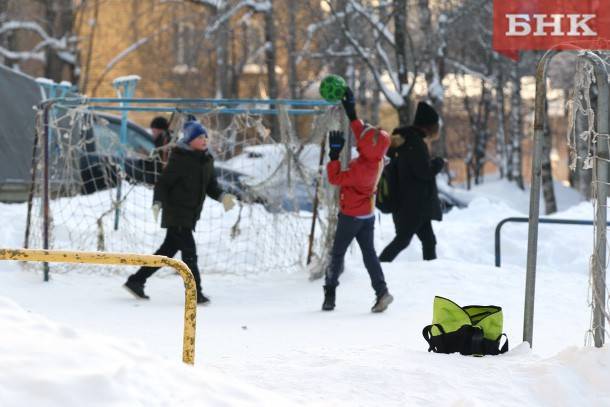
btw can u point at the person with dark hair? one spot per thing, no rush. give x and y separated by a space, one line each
417 195
159 128
357 206
180 193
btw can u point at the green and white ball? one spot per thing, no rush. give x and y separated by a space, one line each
332 88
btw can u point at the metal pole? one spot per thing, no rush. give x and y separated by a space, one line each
46 212
126 259
125 88
534 214
34 165
497 240
601 187
316 199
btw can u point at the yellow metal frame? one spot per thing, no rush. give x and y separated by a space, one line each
125 259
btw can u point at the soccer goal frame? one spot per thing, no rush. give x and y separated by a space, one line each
260 107
600 181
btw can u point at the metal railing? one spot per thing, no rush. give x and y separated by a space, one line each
497 240
125 259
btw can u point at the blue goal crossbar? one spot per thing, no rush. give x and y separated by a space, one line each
194 106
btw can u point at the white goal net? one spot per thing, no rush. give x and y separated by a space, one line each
100 189
589 141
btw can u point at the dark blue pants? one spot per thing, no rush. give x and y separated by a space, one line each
363 230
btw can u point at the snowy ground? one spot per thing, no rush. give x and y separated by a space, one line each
263 341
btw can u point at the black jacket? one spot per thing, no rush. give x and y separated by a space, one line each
416 179
162 139
182 187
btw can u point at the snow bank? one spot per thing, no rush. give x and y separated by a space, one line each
48 364
502 190
265 329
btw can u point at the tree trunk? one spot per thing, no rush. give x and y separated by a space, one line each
87 68
235 65
501 133
482 132
400 40
547 170
60 23
375 104
434 54
340 65
293 77
514 166
270 60
223 47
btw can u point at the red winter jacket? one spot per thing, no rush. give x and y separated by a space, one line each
359 182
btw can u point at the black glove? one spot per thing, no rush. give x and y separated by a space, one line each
336 141
349 104
437 164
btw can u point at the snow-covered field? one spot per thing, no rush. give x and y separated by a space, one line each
81 340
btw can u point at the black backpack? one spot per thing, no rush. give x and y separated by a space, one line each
386 199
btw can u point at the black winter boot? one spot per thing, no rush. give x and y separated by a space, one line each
202 299
136 288
329 298
429 252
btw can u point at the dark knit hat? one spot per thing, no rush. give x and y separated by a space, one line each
425 115
159 122
192 130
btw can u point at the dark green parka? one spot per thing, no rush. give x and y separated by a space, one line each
182 187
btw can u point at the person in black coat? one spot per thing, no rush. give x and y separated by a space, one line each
417 194
180 193
159 128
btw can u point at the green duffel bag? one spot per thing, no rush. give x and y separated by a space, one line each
471 330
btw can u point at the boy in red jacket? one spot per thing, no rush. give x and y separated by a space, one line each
357 203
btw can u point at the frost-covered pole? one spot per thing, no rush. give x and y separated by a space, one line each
125 87
601 189
532 235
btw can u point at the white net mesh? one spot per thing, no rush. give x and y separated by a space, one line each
588 146
101 190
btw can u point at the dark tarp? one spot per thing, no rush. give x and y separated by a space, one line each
19 94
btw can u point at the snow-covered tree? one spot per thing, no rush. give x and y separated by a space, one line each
40 32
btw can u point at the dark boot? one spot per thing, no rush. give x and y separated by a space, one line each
429 252
136 288
202 299
329 298
383 300
191 261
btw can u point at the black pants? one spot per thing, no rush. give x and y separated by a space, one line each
363 230
176 239
404 234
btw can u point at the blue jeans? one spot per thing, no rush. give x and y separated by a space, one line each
363 230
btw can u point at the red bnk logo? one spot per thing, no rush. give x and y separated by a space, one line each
521 25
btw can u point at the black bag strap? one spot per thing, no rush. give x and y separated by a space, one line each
476 342
427 333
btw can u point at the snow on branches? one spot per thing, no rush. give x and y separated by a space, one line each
62 46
